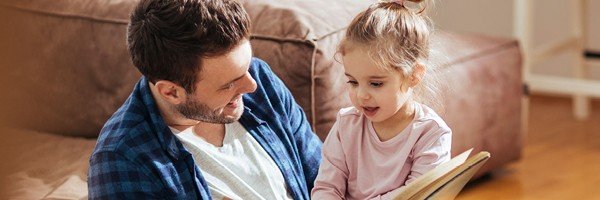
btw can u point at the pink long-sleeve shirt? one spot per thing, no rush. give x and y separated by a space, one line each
357 165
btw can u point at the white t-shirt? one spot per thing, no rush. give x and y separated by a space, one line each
240 169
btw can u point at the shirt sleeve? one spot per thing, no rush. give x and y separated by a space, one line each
112 176
432 149
332 180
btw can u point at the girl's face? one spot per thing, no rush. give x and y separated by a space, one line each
377 92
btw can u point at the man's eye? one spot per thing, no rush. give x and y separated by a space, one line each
376 84
228 86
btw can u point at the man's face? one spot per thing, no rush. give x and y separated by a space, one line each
223 81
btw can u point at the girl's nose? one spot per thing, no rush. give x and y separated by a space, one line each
363 94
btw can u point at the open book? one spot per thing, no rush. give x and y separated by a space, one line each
446 180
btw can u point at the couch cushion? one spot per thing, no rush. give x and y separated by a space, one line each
482 102
64 67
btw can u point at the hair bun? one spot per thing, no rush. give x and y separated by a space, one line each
402 3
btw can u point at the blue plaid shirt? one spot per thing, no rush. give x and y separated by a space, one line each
138 157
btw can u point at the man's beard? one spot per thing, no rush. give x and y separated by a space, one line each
192 109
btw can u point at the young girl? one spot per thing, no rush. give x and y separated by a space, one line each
387 139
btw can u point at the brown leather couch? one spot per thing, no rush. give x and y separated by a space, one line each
64 69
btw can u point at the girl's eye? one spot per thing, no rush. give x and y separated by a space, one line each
353 83
376 84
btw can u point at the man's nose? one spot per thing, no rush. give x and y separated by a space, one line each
248 84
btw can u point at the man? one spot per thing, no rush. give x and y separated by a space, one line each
206 120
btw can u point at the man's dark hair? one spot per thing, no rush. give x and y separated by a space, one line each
167 38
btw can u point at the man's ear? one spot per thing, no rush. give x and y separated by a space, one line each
417 74
171 92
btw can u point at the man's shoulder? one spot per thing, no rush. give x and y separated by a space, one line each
121 131
129 126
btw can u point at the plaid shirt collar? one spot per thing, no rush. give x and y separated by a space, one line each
166 139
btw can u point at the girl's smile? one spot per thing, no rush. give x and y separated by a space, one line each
370 111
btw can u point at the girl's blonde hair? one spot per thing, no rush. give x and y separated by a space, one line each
397 37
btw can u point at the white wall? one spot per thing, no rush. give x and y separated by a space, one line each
495 17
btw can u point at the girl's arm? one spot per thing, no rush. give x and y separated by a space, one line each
332 178
430 151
